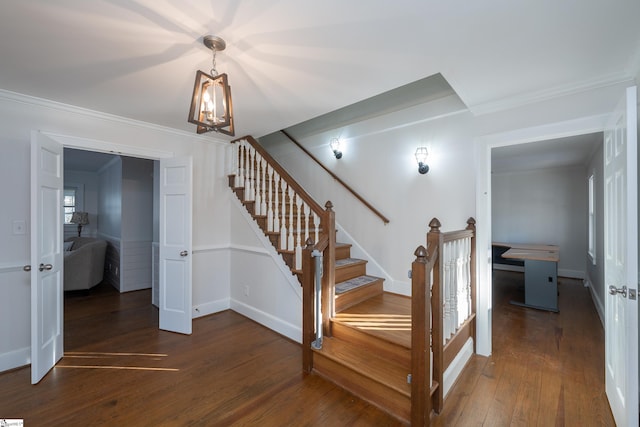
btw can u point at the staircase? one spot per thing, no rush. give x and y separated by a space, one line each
371 344
362 354
369 350
369 364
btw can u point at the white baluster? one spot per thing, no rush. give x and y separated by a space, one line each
263 202
456 285
316 227
228 159
276 211
283 228
248 185
467 269
298 262
258 198
448 290
290 246
307 219
270 199
241 155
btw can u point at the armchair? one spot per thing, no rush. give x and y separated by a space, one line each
84 263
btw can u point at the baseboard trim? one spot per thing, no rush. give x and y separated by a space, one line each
211 307
289 330
457 365
596 301
15 359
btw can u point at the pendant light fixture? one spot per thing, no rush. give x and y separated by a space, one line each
211 104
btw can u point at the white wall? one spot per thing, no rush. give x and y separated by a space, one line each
544 206
378 163
91 130
263 287
110 199
137 224
110 218
15 288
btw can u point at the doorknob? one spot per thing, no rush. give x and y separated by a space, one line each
27 268
45 267
184 253
613 290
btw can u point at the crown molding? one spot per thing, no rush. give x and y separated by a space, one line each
6 95
552 93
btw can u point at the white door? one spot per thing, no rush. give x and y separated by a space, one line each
46 254
621 261
175 244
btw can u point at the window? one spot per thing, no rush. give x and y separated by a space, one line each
70 201
592 220
73 200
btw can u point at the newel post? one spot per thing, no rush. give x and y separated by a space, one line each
308 335
328 268
435 242
420 340
471 225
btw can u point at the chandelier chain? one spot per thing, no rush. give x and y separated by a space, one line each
214 72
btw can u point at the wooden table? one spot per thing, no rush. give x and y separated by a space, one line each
540 274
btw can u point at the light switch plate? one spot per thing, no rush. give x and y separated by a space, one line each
19 226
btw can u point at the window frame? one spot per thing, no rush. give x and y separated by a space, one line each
79 202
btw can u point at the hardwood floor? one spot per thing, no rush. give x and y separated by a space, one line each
547 369
119 369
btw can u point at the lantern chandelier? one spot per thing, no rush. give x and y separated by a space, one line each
211 105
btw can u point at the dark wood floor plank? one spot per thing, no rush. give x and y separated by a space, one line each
230 371
546 369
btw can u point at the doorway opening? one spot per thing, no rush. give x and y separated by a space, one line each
119 195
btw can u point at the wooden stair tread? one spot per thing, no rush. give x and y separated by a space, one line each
355 283
345 262
386 316
367 364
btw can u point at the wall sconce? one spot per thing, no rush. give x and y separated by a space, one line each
335 147
421 158
211 105
80 218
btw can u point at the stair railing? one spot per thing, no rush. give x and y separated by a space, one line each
301 225
442 312
276 196
316 315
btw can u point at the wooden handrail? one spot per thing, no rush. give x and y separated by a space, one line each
283 174
334 176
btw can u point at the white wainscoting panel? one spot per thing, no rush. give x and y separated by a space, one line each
135 265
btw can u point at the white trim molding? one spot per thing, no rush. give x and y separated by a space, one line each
54 105
293 332
210 307
15 359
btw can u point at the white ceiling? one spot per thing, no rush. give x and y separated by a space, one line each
553 153
291 60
